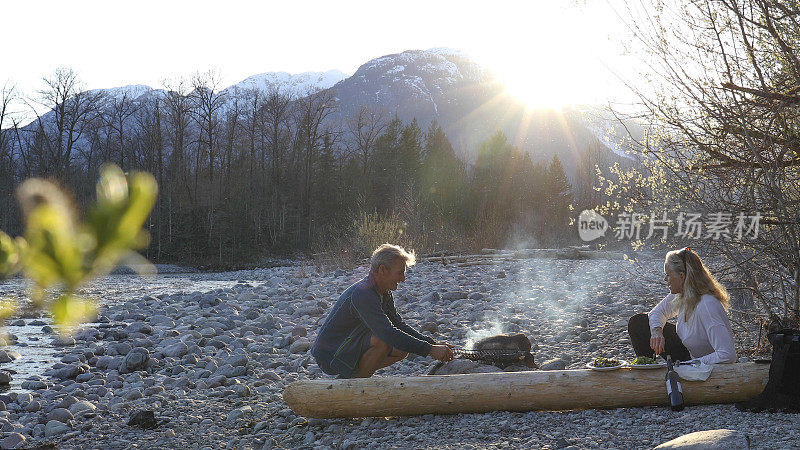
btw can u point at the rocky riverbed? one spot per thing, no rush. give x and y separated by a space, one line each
212 364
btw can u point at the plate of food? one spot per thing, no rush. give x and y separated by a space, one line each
605 364
645 362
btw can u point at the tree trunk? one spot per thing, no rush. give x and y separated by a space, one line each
516 391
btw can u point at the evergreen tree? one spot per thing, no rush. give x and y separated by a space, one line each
558 195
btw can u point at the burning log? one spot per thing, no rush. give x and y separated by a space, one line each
515 391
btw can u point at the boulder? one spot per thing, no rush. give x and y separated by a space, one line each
69 371
62 415
13 440
709 440
136 359
55 428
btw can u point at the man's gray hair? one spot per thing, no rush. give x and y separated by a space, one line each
386 254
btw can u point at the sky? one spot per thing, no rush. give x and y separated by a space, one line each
549 53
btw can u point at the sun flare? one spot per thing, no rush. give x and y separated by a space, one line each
551 57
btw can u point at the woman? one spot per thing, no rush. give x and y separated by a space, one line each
699 302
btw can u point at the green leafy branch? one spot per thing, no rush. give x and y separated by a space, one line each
60 253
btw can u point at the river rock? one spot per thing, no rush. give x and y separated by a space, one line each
709 440
13 440
63 341
69 371
143 419
176 350
5 378
300 346
237 360
34 385
554 364
136 359
429 327
433 298
81 406
454 295
62 415
139 327
55 428
33 406
7 356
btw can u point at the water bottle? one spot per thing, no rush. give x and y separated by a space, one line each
674 389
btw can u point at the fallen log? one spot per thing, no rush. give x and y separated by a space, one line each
515 391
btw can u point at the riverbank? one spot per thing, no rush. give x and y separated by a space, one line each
212 363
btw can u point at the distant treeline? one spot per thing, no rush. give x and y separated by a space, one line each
259 173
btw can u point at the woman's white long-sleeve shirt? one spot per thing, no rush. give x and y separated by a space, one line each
707 334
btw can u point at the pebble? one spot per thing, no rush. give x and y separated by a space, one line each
218 361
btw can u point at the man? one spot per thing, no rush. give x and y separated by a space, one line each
364 332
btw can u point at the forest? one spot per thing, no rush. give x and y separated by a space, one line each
256 173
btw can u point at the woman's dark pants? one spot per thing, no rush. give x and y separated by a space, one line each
639 331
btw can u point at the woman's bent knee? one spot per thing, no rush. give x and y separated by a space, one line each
638 321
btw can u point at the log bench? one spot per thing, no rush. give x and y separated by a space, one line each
516 391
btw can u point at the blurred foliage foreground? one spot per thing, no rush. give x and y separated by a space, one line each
60 252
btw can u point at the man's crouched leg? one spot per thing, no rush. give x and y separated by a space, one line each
378 355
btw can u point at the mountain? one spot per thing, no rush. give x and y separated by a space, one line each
440 84
298 85
470 104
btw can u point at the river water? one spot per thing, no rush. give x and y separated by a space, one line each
35 344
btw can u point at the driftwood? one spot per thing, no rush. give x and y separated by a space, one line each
516 391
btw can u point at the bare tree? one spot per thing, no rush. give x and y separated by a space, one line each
364 129
726 133
115 117
277 113
312 135
8 95
72 108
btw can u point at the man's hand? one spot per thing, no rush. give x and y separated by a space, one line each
657 341
441 352
445 343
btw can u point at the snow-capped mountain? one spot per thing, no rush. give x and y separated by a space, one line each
468 101
437 84
295 86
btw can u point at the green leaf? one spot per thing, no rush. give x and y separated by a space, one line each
53 253
116 222
7 308
11 251
70 311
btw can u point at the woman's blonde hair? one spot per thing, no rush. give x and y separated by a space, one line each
698 282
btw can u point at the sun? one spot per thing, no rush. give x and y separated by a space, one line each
550 56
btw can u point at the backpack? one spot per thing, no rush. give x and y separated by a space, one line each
782 392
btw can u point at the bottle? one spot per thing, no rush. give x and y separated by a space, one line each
674 389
